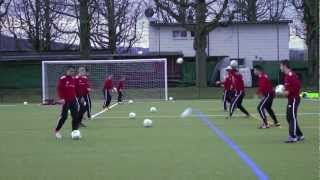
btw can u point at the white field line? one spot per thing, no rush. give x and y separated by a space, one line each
104 110
210 115
8 105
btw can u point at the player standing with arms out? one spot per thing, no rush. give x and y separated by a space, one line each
83 89
292 90
120 87
265 91
107 88
228 92
238 84
66 89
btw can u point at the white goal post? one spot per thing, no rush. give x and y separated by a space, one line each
144 78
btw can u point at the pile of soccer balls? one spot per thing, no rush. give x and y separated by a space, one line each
146 122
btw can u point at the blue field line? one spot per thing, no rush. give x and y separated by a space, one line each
255 169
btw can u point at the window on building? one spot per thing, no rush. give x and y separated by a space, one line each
192 33
179 34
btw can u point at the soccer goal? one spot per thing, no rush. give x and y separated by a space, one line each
144 78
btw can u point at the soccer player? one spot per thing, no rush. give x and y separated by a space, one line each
107 88
238 84
292 90
83 89
228 92
66 89
120 88
265 91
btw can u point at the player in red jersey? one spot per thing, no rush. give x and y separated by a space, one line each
265 91
66 90
107 88
238 84
120 87
228 92
83 89
292 90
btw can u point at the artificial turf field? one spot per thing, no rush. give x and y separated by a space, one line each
116 148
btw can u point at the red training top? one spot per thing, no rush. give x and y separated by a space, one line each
237 82
82 85
107 84
264 85
66 88
120 85
227 83
292 84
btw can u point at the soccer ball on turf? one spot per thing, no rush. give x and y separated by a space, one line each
147 123
75 134
153 109
280 89
130 101
25 103
170 98
132 115
180 60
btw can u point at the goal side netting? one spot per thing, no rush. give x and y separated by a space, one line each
145 79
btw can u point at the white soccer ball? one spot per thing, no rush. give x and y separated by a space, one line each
75 134
147 123
180 60
25 103
153 109
280 89
115 89
186 113
170 98
132 115
130 101
234 63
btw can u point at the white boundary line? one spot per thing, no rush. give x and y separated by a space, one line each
8 105
104 110
210 115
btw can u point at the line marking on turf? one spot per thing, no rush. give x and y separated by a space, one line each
210 115
255 169
316 100
8 105
104 110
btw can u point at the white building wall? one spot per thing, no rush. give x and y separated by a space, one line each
168 43
256 41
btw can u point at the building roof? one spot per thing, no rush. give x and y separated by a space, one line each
161 24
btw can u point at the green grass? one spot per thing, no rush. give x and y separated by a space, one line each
114 147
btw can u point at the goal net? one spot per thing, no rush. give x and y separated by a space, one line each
144 78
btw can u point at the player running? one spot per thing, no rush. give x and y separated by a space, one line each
66 90
83 89
265 91
228 92
107 88
238 84
292 90
120 87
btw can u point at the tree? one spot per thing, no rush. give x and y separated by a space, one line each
310 10
34 20
115 24
208 16
4 6
257 10
84 29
